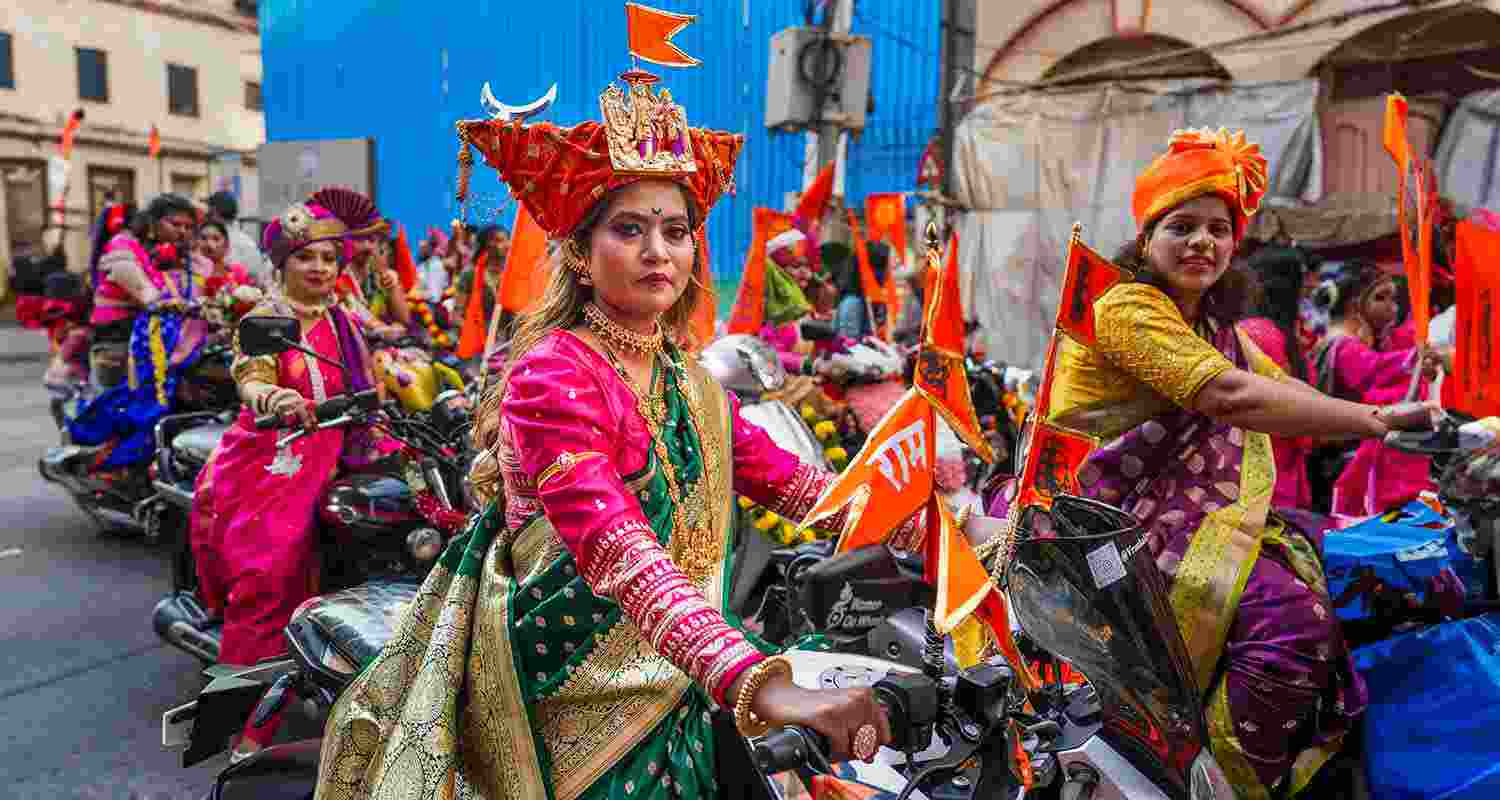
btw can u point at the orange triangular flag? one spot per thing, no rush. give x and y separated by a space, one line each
1412 212
749 312
952 569
1394 134
889 480
885 217
814 201
994 611
650 32
1052 461
153 143
69 131
406 267
940 375
471 339
1086 278
877 302
525 275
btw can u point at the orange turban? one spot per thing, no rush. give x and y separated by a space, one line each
1200 162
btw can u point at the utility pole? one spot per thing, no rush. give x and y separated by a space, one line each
828 143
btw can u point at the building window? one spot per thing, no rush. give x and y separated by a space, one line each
25 187
252 96
109 185
182 90
93 75
193 187
7 66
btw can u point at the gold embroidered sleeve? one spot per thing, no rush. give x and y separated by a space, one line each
244 368
1141 331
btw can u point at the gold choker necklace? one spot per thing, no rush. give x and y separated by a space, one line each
307 310
616 334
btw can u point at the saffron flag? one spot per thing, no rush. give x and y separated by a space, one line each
964 587
1052 461
69 131
749 312
877 299
153 143
885 220
940 375
472 335
706 317
1415 211
525 276
814 201
889 480
650 32
406 267
1087 277
1476 360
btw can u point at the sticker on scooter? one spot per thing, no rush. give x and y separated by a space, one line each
1106 565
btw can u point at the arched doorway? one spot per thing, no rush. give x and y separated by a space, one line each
1433 57
1116 59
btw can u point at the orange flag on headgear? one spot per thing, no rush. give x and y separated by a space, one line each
651 31
1415 206
525 276
69 131
153 143
940 375
889 480
749 312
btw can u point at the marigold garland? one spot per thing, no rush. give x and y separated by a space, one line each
158 359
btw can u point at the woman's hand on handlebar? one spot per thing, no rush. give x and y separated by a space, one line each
289 403
838 714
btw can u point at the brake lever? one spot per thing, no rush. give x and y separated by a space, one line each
343 419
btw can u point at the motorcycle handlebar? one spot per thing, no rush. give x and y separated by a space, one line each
788 748
330 409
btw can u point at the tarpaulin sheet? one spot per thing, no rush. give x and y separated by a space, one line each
1432 730
1411 551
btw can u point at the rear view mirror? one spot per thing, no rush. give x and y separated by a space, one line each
816 330
269 336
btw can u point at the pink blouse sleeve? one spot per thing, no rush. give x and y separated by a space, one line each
566 432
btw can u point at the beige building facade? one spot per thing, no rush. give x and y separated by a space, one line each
191 68
1434 52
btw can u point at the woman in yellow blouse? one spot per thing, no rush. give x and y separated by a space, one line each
1184 407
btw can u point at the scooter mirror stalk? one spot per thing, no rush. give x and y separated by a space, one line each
269 336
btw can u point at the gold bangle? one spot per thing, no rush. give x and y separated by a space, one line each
748 723
963 516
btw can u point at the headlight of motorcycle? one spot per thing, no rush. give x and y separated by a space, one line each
424 544
1208 779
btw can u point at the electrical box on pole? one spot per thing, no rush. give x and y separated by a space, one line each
809 62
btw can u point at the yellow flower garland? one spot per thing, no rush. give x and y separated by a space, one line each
158 359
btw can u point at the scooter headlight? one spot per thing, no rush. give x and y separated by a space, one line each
424 544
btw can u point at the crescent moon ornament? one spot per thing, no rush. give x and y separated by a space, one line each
508 113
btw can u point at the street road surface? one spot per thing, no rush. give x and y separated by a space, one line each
83 678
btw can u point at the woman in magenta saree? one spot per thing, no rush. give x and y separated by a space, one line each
1183 405
1361 304
252 528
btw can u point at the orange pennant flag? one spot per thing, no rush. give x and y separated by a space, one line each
749 312
827 787
525 276
1052 461
69 131
964 587
885 218
877 301
406 267
889 480
814 201
650 32
153 143
940 375
1415 207
472 336
1087 277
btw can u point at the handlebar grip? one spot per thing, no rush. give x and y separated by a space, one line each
787 748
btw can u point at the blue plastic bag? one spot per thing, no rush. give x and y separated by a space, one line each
1432 731
1410 551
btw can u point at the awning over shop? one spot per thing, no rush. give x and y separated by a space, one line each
1030 165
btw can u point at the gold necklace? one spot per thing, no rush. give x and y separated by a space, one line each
690 548
613 332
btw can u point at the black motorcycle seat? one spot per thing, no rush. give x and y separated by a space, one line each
284 770
355 623
198 442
